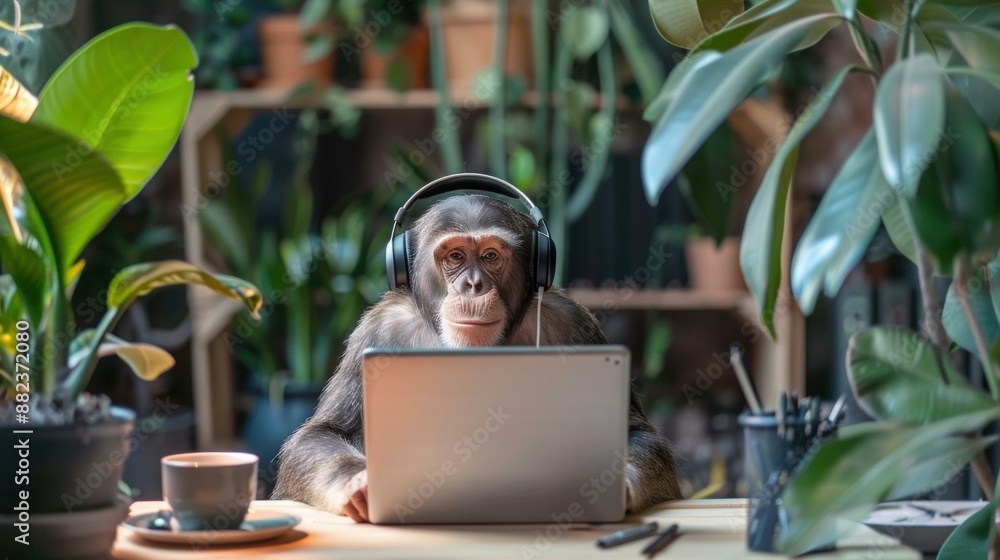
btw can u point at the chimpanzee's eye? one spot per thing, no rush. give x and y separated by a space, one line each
490 256
455 257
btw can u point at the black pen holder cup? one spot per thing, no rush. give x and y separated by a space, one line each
770 457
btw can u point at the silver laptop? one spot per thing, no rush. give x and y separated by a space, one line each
496 435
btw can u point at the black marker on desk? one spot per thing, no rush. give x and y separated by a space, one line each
661 541
627 535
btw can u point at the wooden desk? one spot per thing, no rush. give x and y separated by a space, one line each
712 529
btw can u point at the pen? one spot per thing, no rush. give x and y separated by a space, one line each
661 541
627 535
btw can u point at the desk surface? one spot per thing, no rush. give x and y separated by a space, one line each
712 529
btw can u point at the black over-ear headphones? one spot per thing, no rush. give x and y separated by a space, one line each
543 251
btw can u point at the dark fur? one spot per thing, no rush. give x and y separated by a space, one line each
329 448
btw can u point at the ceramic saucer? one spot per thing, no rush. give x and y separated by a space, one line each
921 525
257 526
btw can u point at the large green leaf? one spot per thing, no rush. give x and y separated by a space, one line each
766 16
978 45
669 92
684 23
11 310
126 93
842 226
892 14
705 97
147 361
974 537
909 117
937 464
899 231
763 231
984 299
858 469
28 272
75 193
140 279
897 375
706 185
956 207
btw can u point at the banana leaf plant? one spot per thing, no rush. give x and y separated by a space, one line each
70 159
315 281
927 171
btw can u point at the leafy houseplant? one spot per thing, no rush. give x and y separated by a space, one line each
219 41
70 159
926 170
316 280
711 249
295 48
389 37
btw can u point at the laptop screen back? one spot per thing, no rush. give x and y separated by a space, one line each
496 435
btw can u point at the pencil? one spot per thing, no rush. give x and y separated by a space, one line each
627 535
661 541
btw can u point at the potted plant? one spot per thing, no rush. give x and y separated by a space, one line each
315 280
388 38
397 57
927 171
220 37
471 40
71 158
712 246
296 47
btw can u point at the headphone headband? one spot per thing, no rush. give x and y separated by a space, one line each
469 181
543 250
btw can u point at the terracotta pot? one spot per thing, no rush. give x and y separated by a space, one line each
413 52
711 268
282 47
469 31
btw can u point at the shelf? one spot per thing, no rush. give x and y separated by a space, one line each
662 300
215 115
210 105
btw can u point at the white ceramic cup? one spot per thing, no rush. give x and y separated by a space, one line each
209 491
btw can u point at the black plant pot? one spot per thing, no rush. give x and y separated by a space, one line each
269 424
69 468
78 535
155 437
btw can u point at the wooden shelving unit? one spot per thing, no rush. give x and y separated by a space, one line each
782 363
664 300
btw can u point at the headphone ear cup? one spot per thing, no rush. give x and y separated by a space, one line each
545 261
397 262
